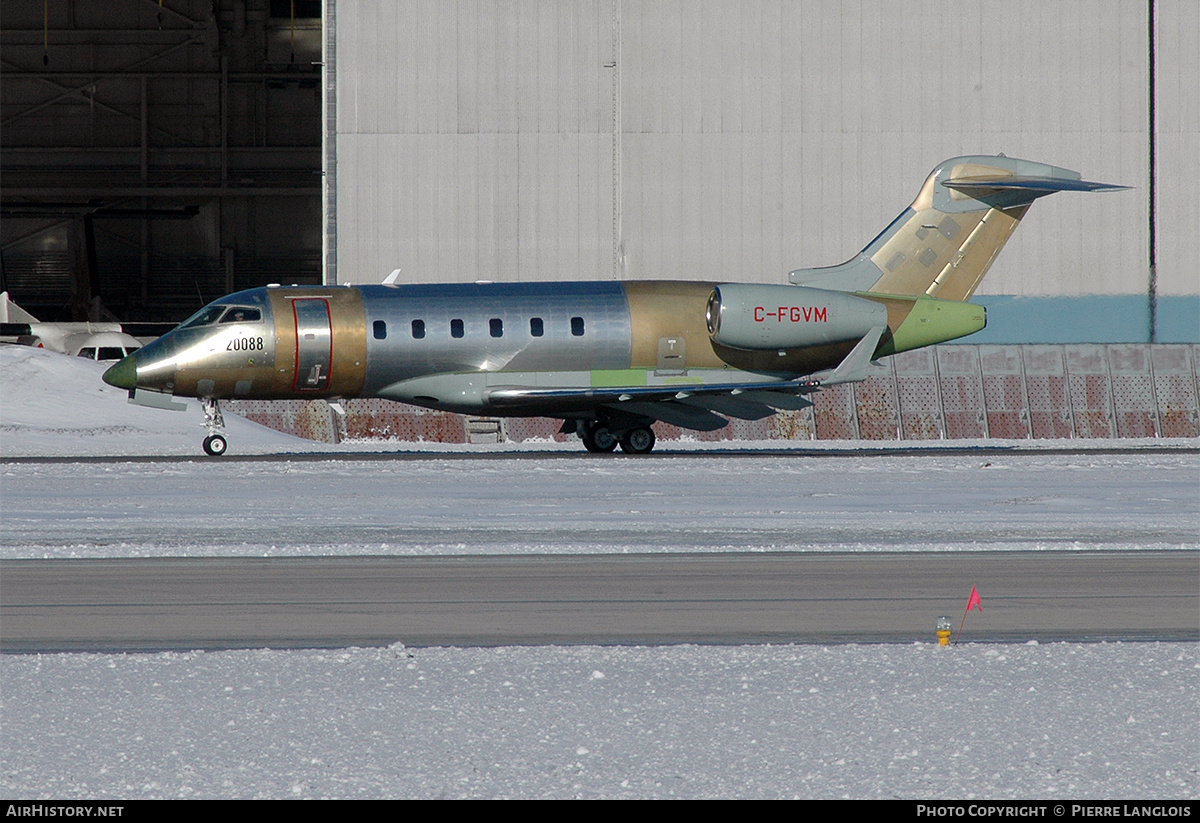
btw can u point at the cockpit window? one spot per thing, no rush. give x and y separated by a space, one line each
232 314
106 352
242 314
204 317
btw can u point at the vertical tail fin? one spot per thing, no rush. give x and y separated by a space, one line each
945 242
10 312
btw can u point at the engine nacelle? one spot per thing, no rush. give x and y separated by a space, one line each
758 318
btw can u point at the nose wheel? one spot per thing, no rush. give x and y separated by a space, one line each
215 444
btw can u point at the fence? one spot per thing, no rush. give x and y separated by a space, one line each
947 392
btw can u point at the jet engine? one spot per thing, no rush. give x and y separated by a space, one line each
761 317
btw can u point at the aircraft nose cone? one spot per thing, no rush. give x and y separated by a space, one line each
123 375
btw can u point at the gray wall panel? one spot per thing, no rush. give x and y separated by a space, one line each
1178 146
757 136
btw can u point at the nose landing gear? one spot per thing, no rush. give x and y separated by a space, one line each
215 444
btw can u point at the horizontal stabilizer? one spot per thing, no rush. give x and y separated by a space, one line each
982 185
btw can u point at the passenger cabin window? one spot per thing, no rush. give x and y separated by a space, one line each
496 327
418 329
577 326
456 328
380 328
536 329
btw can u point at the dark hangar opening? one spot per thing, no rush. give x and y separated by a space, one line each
155 157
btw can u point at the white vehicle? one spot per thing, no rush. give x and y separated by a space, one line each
95 341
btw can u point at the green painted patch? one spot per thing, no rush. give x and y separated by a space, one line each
935 321
615 378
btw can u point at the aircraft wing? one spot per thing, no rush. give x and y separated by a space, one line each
690 406
696 406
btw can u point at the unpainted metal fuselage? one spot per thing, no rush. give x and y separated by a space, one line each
448 346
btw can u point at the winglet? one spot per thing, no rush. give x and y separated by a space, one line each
856 366
390 280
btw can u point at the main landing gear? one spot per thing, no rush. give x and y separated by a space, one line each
215 444
638 441
600 437
597 437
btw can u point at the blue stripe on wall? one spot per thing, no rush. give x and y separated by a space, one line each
1090 319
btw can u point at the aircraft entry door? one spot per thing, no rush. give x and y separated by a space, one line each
314 344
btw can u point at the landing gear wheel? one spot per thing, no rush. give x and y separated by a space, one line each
215 445
214 421
638 441
597 438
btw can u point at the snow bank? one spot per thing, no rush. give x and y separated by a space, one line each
55 405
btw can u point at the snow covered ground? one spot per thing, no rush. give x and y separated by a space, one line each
700 503
977 721
915 721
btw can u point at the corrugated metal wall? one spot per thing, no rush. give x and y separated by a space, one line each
948 392
1178 138
475 139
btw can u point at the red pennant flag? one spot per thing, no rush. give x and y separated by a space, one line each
973 602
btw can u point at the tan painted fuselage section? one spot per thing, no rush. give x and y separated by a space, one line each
224 368
349 342
664 311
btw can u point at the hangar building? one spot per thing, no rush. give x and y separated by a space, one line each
155 155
